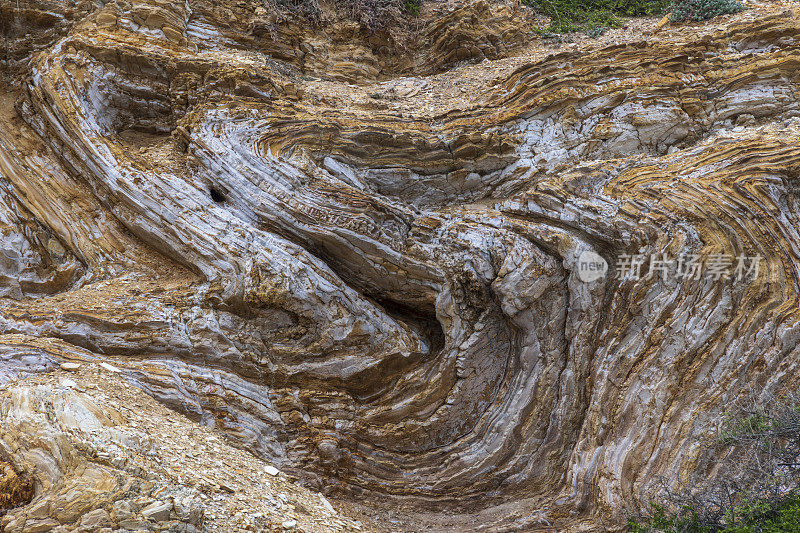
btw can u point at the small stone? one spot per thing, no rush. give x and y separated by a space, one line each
106 19
40 527
172 34
271 470
123 510
327 504
134 525
157 511
96 519
189 509
289 524
745 119
70 367
110 368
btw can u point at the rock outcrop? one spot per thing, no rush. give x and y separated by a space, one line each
93 454
383 298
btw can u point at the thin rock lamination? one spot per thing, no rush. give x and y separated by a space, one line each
387 304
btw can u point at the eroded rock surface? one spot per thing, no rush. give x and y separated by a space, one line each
380 297
104 457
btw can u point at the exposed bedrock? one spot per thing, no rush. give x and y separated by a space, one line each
387 304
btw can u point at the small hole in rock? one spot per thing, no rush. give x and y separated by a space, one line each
216 195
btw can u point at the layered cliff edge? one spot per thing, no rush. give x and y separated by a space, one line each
353 256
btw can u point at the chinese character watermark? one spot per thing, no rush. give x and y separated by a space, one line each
663 266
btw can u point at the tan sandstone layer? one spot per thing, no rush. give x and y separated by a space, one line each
354 254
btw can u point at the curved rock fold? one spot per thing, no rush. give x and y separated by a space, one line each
387 304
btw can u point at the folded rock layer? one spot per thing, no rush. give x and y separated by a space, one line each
387 303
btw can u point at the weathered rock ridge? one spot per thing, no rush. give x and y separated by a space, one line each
381 297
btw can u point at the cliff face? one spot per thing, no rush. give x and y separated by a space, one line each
359 258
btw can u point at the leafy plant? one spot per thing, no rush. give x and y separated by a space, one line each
589 15
757 488
697 10
595 31
760 516
412 7
685 520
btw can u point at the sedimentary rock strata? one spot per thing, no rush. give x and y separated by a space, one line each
108 458
385 301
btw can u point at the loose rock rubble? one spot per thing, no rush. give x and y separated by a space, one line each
110 458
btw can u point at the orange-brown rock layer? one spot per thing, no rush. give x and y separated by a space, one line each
15 490
386 301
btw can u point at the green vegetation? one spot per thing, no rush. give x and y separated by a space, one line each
756 516
686 520
590 15
757 489
697 10
412 7
594 16
749 425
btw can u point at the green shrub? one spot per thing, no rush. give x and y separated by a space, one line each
749 425
685 520
780 515
697 10
595 31
588 15
756 488
412 7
